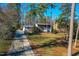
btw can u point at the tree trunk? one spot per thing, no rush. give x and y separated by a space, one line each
71 30
76 37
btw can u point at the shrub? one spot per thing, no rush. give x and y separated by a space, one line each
36 30
54 31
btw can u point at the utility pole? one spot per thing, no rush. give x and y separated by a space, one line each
75 43
71 30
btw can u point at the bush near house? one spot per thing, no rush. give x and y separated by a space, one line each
35 30
54 31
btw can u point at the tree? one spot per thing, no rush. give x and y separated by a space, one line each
71 30
63 19
39 10
17 8
76 36
8 20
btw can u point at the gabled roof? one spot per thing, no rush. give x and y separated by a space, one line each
43 23
28 25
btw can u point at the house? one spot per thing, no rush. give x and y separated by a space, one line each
44 27
56 27
28 28
40 26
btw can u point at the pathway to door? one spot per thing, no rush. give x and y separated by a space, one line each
20 46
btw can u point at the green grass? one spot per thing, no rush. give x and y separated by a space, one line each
50 50
5 45
46 38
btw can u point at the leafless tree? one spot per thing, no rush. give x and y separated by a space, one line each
71 30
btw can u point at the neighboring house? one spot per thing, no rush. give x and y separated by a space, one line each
28 28
42 27
55 26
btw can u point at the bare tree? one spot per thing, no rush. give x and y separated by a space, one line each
75 43
71 30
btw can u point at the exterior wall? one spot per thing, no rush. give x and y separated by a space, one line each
55 26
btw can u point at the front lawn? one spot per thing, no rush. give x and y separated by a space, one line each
48 44
5 45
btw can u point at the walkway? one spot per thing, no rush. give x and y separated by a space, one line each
20 46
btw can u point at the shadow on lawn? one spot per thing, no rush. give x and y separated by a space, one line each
33 34
76 54
52 43
17 52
